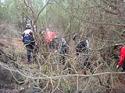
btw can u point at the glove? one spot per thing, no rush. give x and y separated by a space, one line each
117 66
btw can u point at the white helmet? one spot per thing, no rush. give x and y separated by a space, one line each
28 26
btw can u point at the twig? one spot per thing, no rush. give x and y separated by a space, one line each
41 11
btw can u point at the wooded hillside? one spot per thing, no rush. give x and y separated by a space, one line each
101 22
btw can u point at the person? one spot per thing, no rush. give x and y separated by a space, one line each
63 46
29 42
50 38
121 62
82 46
63 49
82 52
121 47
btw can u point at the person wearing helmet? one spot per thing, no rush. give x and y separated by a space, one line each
29 42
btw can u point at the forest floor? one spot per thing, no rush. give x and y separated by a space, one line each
15 44
117 87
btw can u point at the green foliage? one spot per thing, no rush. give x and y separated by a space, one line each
8 11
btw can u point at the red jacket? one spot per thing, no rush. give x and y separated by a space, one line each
122 56
49 36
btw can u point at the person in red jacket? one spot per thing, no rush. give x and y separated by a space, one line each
121 62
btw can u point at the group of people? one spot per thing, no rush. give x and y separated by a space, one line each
50 37
60 45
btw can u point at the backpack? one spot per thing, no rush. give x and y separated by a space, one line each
27 38
81 46
63 47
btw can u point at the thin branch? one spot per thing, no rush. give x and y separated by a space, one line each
41 11
29 8
96 23
60 76
100 23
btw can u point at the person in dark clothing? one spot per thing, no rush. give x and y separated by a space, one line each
29 42
63 50
82 46
82 52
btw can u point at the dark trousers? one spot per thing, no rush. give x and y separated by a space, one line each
123 67
30 48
